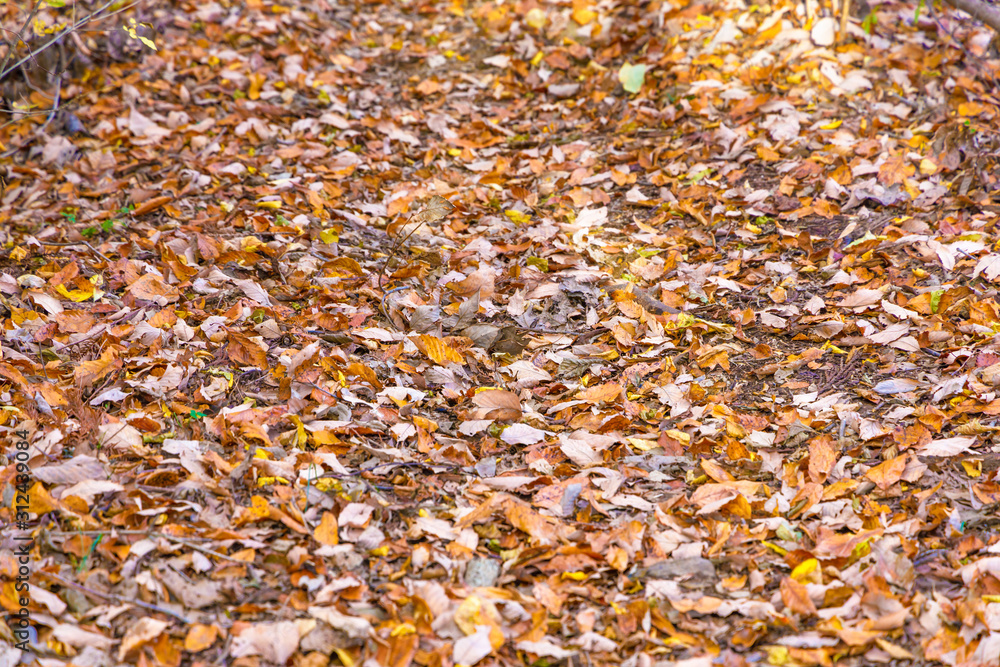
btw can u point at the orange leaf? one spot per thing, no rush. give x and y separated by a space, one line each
822 456
200 637
796 597
895 170
89 372
326 531
151 205
715 471
602 393
541 528
888 472
617 558
14 375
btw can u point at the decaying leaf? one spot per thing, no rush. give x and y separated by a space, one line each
562 331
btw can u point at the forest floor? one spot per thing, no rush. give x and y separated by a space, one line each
504 333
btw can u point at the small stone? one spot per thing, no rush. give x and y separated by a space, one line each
482 572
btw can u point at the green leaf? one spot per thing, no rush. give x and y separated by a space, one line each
936 300
869 23
632 77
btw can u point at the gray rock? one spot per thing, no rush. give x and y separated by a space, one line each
482 572
697 569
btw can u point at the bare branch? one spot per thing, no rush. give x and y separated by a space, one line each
977 9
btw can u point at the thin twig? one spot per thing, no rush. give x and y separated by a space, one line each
382 305
392 252
12 46
4 71
117 598
92 248
967 7
200 548
82 340
108 531
55 105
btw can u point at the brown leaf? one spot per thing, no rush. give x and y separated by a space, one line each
497 404
151 287
243 351
89 372
151 205
193 595
482 280
542 529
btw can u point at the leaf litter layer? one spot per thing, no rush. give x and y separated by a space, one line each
700 369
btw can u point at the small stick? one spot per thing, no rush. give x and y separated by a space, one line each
392 252
117 598
92 248
382 304
198 547
846 9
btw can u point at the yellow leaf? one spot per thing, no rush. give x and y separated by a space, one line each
973 467
437 350
301 437
808 572
517 217
778 655
774 547
327 531
679 436
324 484
582 13
273 205
536 18
256 83
259 507
345 657
402 630
75 295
